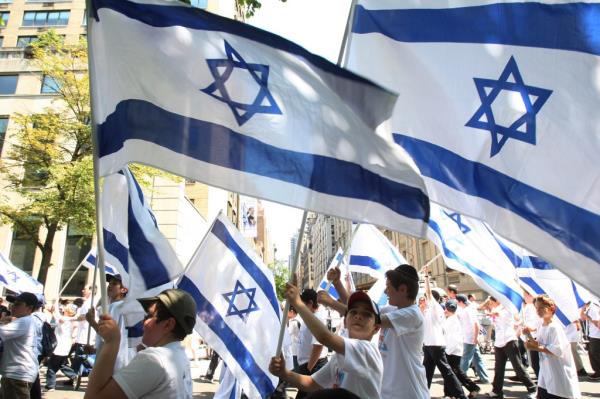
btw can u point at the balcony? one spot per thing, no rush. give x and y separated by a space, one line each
13 52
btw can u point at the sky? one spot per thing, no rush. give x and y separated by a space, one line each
318 26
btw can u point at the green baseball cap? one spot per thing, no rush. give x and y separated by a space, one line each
179 303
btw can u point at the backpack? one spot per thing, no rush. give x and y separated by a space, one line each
49 341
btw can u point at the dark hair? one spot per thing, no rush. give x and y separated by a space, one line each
309 295
333 393
436 295
471 297
163 314
452 288
407 275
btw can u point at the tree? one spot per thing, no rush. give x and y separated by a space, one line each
243 8
281 273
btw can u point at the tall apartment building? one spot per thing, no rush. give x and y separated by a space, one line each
183 209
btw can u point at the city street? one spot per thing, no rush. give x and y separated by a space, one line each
206 390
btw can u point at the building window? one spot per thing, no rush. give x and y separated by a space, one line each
76 248
49 85
199 3
46 18
84 22
3 125
22 250
8 84
24 41
1 41
4 18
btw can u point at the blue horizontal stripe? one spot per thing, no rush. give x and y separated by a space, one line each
209 315
540 291
91 259
332 291
570 26
116 249
220 231
366 261
577 228
194 18
498 285
218 145
578 299
144 254
523 262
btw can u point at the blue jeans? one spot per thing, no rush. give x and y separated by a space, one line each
54 364
471 351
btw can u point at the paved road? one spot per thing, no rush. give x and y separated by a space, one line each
205 390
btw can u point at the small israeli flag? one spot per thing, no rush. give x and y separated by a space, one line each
16 279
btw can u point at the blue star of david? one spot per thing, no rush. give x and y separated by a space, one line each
2 279
13 276
457 218
500 134
221 70
233 310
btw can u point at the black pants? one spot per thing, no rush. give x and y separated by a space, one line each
454 362
435 356
534 359
543 394
303 369
523 353
510 351
594 352
212 366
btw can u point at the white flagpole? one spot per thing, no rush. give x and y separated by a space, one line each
93 101
344 254
69 280
284 316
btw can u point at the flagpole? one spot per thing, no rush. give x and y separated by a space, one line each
346 249
69 280
284 316
99 237
346 39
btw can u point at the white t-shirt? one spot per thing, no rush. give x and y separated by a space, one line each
434 325
294 330
531 318
359 370
401 351
454 336
594 314
19 360
64 334
505 327
572 332
468 318
158 372
558 374
124 355
83 325
306 341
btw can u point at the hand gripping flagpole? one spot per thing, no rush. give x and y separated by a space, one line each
344 254
93 101
284 316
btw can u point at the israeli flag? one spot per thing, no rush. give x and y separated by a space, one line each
89 262
469 247
348 281
17 280
238 312
372 253
497 107
539 277
227 104
132 241
228 385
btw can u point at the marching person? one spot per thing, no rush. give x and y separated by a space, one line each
558 375
591 314
470 332
162 370
64 332
19 364
356 364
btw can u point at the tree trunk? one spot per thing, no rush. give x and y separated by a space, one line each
47 252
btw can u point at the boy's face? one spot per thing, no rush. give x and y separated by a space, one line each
543 311
360 322
395 296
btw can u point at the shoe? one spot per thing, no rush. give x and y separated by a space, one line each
68 382
46 389
493 394
594 376
474 392
582 373
532 394
513 378
205 379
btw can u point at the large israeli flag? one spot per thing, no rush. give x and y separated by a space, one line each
16 279
132 241
539 277
498 108
230 105
372 253
238 312
468 246
89 262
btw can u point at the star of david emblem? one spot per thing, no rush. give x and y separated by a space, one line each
533 99
13 276
2 279
222 70
234 309
457 218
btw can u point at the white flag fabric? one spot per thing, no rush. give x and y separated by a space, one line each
468 246
539 277
346 277
228 386
16 279
90 262
242 109
132 241
497 108
372 253
238 312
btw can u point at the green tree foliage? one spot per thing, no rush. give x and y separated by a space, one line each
243 8
282 274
